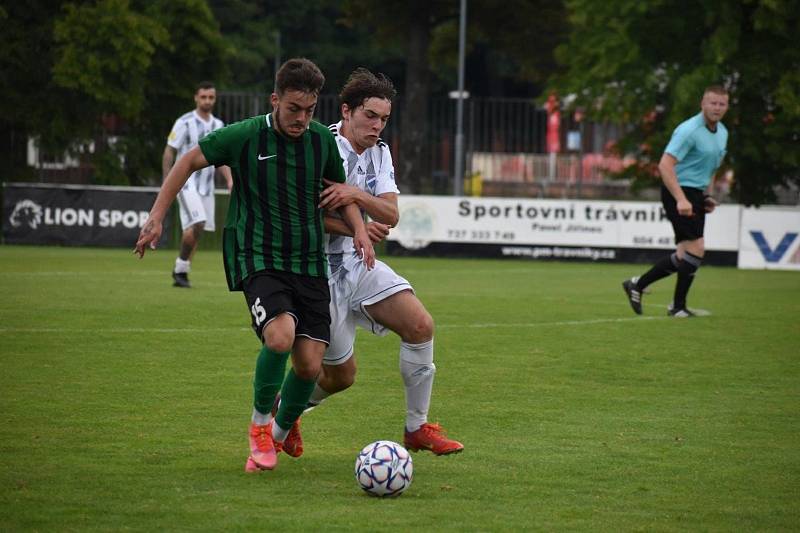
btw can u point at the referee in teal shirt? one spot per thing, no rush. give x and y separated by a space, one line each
693 155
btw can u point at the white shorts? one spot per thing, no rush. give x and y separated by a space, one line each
196 208
353 287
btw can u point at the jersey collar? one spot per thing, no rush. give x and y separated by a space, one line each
201 119
343 140
269 119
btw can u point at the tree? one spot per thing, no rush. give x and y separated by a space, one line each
510 46
32 104
515 37
249 29
195 51
105 52
70 71
138 62
642 64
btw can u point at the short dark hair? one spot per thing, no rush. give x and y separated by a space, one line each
716 89
299 74
363 84
203 85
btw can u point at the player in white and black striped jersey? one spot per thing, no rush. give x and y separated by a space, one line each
196 199
378 300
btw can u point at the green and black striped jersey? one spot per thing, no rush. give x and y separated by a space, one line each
274 222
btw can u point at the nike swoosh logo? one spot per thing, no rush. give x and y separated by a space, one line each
261 158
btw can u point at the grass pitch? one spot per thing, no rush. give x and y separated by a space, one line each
124 403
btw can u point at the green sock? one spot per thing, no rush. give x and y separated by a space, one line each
294 399
270 370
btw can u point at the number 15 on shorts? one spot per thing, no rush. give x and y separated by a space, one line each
259 313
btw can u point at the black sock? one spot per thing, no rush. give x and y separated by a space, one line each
686 271
665 266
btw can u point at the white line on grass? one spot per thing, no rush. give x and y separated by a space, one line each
120 330
545 324
446 326
696 311
83 273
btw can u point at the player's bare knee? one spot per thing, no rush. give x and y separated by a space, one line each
279 333
340 377
307 370
344 381
278 339
421 329
278 342
427 326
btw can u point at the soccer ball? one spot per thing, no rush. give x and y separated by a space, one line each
384 468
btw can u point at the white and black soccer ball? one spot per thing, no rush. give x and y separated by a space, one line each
384 468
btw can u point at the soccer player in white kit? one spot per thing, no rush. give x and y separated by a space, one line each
378 300
196 199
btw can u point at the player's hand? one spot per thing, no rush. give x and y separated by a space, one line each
335 195
709 203
148 236
364 249
377 231
684 208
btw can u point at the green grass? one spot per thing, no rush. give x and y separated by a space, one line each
124 403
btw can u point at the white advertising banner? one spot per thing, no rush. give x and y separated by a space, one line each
769 238
575 223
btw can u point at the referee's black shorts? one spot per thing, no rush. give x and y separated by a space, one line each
685 228
270 293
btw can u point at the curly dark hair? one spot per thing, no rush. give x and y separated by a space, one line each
299 74
363 84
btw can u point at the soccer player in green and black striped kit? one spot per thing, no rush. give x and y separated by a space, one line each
273 242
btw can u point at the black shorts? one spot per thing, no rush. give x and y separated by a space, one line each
270 293
686 228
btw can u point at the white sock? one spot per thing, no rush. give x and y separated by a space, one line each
317 396
260 419
278 433
182 267
417 369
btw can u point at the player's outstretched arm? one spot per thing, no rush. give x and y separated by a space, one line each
336 195
381 208
180 172
361 241
337 226
375 230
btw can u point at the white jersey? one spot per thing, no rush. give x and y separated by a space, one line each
185 134
373 172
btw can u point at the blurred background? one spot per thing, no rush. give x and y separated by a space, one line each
561 99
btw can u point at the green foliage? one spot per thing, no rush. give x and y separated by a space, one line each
105 51
249 29
645 64
71 69
32 104
505 32
108 165
195 51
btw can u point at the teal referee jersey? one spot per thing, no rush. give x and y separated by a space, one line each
698 150
273 221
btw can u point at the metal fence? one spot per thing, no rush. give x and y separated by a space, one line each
504 139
